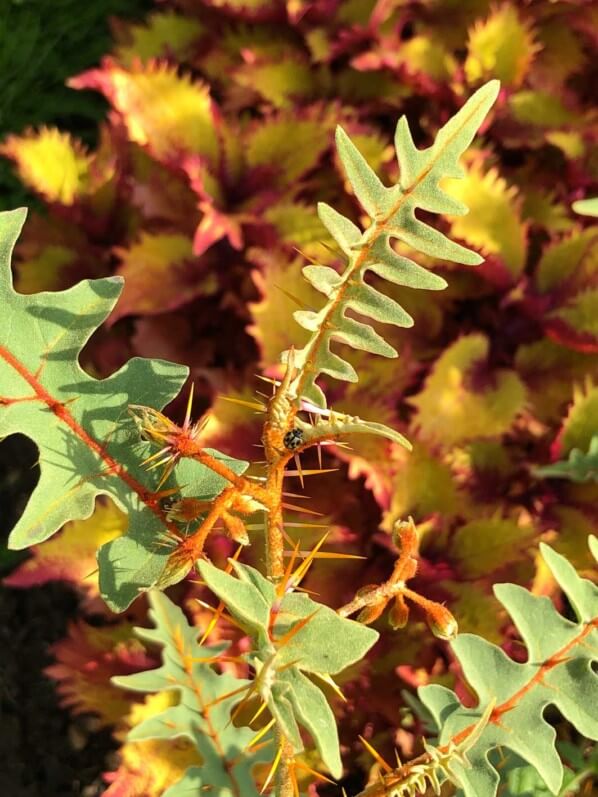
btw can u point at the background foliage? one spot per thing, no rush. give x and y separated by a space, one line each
201 190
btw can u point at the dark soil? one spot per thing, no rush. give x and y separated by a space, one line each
43 750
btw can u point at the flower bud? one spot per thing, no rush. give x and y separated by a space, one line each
399 613
442 623
187 509
405 538
235 528
371 613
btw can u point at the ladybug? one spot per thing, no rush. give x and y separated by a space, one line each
293 439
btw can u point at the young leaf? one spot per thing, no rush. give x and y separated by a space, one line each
559 671
203 712
392 211
87 444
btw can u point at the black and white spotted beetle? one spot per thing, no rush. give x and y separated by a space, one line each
293 439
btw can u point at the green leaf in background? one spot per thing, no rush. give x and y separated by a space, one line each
203 713
580 466
294 637
88 446
559 671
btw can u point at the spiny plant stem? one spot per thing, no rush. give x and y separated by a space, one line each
279 419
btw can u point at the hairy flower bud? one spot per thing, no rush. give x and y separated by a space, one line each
442 623
371 613
399 613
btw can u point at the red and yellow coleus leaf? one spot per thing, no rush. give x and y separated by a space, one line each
235 424
169 113
576 323
284 289
147 768
87 659
566 280
297 224
477 611
548 370
540 109
486 545
271 148
493 224
423 485
51 163
580 424
573 526
164 33
161 273
571 261
426 54
503 46
464 399
282 83
71 555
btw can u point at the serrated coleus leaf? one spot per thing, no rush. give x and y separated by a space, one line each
168 113
573 526
566 282
493 224
463 398
282 83
423 484
151 766
482 546
163 33
87 445
579 426
548 370
87 658
559 671
161 273
203 710
503 46
283 288
270 148
51 163
478 611
292 636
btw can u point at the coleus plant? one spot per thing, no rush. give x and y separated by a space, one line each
101 440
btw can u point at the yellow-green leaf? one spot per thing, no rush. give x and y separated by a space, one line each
51 163
458 403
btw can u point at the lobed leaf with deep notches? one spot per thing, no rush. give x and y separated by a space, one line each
293 637
392 211
202 712
88 446
559 671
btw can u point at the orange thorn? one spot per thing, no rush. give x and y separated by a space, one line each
260 734
373 752
273 769
294 630
299 471
189 403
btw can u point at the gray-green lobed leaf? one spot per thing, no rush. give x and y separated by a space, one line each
580 466
392 213
325 645
88 445
559 671
203 713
